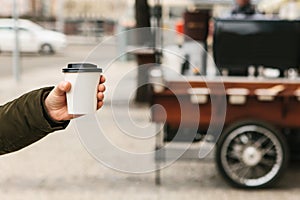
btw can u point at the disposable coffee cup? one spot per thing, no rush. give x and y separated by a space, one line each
84 79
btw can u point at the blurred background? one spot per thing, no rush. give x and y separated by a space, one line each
197 38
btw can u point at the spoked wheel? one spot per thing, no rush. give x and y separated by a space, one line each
251 154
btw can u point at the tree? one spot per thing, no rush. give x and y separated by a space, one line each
142 13
143 38
142 16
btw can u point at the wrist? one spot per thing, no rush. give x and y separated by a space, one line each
50 116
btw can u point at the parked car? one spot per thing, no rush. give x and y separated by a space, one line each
32 37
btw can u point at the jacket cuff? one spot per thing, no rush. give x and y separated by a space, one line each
52 124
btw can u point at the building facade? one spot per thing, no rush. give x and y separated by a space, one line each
72 9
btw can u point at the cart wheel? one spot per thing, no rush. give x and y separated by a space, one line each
251 154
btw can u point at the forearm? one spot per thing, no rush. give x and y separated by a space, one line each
25 121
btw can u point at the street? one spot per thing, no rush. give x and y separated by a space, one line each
32 61
60 167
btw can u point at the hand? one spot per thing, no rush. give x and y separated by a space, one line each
56 101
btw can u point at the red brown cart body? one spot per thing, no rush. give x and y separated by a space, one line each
282 111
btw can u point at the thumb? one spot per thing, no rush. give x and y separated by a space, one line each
62 88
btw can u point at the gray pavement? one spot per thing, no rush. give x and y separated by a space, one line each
59 167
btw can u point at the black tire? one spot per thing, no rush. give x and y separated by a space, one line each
46 49
251 154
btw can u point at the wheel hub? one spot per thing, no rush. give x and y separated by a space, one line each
251 156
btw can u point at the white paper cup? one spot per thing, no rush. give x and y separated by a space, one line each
84 79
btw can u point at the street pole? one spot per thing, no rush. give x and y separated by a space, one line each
60 16
16 52
158 43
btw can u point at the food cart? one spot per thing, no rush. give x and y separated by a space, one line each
261 112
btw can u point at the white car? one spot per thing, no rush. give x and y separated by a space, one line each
32 37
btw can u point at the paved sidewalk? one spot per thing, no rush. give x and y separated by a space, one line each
59 168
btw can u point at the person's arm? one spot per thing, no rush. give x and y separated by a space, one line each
25 121
36 114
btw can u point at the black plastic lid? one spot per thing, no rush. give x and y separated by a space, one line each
81 67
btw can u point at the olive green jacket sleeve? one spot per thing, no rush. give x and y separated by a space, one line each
25 121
